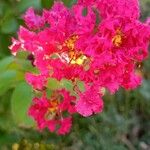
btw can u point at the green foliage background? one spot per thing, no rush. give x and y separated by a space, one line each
124 123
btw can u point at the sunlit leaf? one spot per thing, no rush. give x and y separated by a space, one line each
67 84
53 84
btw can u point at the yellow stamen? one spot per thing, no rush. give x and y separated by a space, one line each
54 106
78 59
52 110
117 39
70 43
73 57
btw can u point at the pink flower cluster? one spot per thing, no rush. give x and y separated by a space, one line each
98 42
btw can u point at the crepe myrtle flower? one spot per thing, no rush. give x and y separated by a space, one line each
97 42
53 112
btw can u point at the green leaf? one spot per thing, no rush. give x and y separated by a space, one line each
67 84
22 65
53 84
4 43
47 3
20 102
22 54
7 79
9 25
49 93
85 12
69 3
81 86
4 63
22 5
3 7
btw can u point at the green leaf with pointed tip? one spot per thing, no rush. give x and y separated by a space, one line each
23 66
20 102
22 54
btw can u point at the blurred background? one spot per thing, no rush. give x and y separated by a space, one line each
123 125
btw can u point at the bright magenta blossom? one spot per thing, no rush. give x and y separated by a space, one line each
98 42
50 112
37 81
90 102
32 20
126 8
